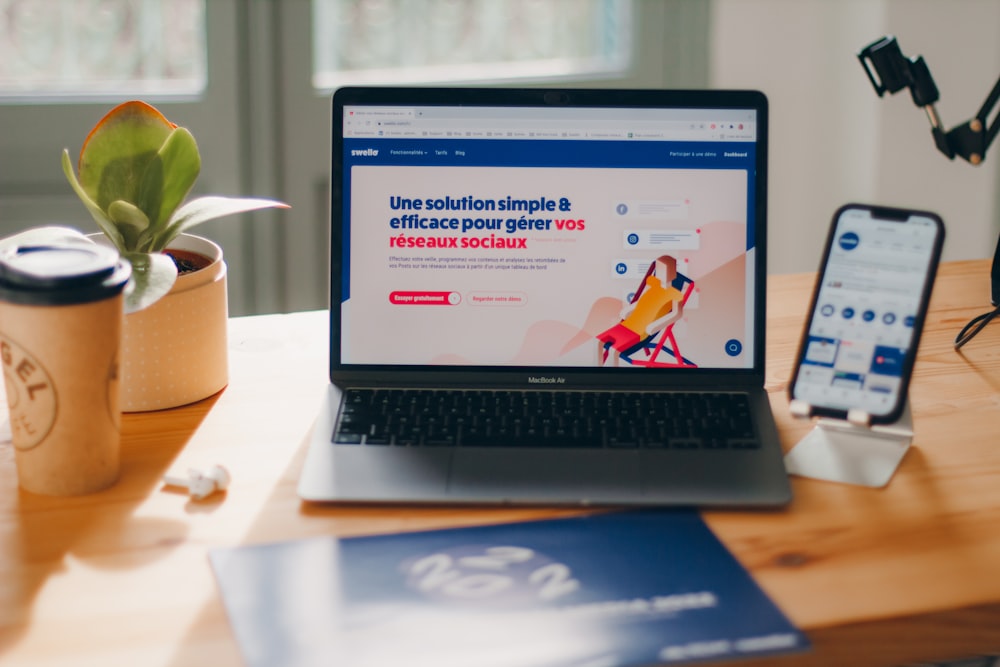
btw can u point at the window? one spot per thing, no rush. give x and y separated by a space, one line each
427 41
95 48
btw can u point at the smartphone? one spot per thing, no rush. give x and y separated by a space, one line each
868 308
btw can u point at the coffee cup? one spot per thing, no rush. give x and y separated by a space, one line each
61 312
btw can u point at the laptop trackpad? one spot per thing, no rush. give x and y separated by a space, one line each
544 475
391 473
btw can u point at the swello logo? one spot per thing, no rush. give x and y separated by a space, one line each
849 241
364 152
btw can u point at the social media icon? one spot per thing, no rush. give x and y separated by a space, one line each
849 240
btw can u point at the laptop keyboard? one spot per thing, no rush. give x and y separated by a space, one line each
486 418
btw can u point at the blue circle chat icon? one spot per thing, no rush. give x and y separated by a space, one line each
733 347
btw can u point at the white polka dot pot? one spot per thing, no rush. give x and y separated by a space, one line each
174 352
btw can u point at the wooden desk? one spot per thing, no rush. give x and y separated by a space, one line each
876 577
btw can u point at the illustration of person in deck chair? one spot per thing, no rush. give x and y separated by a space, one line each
656 306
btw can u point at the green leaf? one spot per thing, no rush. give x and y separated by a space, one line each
115 155
169 177
129 220
99 216
152 277
204 209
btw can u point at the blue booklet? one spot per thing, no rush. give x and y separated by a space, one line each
603 590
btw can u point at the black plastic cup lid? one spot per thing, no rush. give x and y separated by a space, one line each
60 274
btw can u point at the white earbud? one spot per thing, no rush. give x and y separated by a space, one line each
201 485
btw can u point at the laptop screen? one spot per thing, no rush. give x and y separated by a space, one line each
572 229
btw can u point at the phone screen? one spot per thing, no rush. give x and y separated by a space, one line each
868 310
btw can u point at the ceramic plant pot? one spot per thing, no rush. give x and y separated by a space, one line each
175 351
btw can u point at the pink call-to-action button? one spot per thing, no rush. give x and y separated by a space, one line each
425 298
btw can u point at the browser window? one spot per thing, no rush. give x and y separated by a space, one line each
519 236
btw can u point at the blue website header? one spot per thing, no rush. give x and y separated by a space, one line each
554 153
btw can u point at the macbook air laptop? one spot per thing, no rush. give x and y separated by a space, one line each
547 297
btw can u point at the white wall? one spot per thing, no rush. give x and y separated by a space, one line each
833 140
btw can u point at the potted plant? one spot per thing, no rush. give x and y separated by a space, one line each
134 173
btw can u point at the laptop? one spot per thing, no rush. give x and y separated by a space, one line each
547 297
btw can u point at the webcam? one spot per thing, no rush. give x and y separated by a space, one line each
556 97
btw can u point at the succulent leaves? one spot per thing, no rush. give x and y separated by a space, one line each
136 169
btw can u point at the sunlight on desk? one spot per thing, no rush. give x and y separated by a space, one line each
873 576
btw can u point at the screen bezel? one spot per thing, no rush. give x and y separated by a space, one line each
565 376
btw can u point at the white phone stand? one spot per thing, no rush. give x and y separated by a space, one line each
850 451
